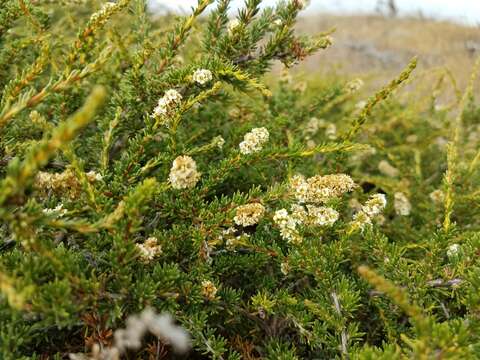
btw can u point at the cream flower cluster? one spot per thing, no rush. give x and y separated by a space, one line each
249 214
218 141
166 104
254 140
402 204
375 205
93 176
233 25
62 183
103 13
354 85
437 196
312 216
183 173
322 215
288 226
371 209
150 249
361 220
312 128
202 76
209 290
319 189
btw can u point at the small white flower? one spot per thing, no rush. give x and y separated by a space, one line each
361 220
171 99
360 105
287 225
94 176
202 76
453 250
354 85
233 25
322 216
172 96
284 220
284 268
402 204
161 109
59 210
375 205
254 140
219 141
437 196
331 131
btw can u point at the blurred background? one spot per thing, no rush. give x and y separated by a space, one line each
376 38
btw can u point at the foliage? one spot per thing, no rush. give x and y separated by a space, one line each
112 202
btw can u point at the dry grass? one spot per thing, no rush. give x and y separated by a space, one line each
381 47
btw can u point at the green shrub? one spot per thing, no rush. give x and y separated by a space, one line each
152 163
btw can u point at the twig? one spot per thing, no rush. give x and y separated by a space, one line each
344 336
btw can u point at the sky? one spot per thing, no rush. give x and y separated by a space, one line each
465 11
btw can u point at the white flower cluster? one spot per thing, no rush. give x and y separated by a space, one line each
354 85
285 268
233 25
361 220
319 189
254 140
314 125
183 173
137 326
249 214
312 216
322 216
230 239
453 250
202 76
58 210
150 249
166 104
93 176
101 14
402 204
218 141
437 196
375 205
209 291
331 131
288 226
372 208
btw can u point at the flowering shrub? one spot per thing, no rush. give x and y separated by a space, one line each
147 168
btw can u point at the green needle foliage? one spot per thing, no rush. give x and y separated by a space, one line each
158 162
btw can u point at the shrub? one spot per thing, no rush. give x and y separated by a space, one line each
146 165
